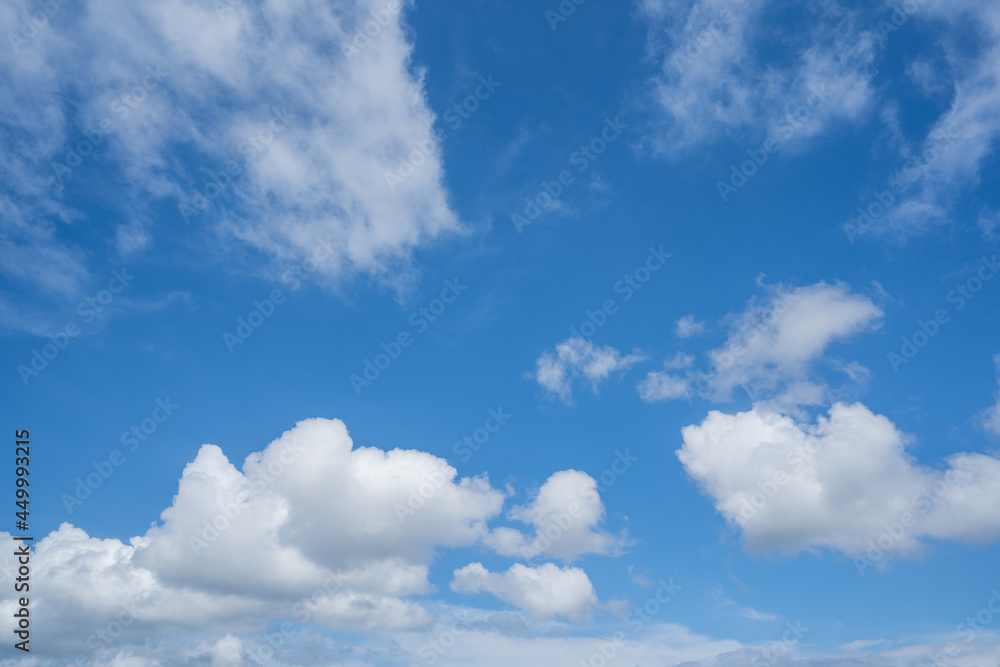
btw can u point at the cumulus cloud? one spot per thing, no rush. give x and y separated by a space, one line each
311 517
566 516
313 529
772 346
543 591
716 79
403 504
271 124
579 358
845 483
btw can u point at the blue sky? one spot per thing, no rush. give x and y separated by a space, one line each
707 283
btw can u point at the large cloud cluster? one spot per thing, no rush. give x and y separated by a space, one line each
311 528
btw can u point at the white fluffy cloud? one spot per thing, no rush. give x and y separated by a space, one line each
845 483
311 517
772 346
307 125
714 78
566 517
310 530
775 342
579 358
396 507
543 591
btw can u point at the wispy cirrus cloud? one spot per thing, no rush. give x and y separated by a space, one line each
176 103
717 79
948 159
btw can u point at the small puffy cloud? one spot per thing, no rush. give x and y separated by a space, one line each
579 358
566 516
688 326
660 386
544 591
845 483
